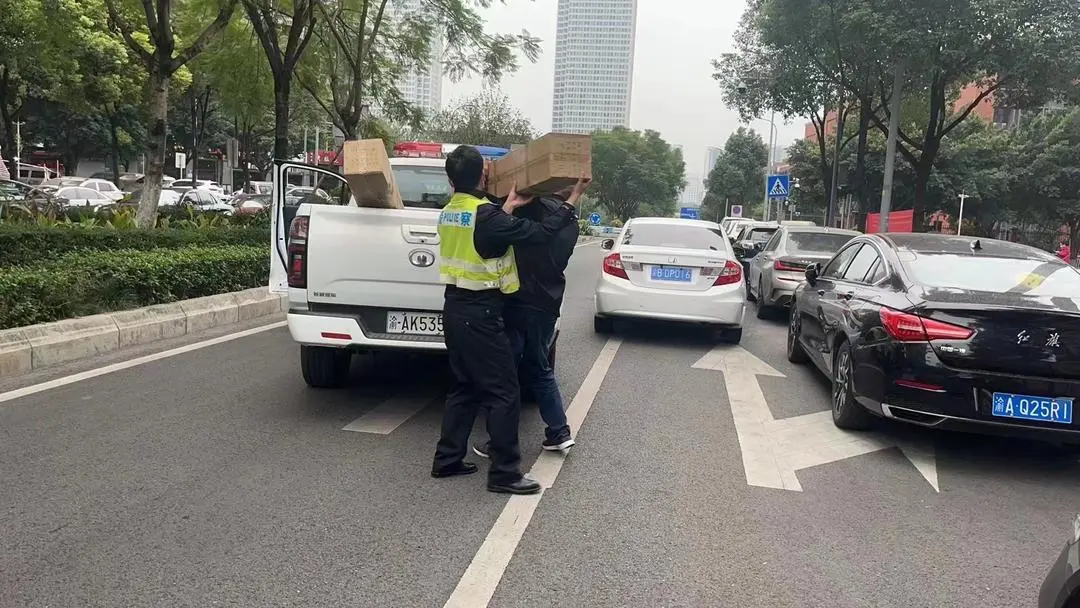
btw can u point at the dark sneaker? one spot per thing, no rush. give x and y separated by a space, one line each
560 442
482 450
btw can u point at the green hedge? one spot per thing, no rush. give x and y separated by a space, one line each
85 283
25 245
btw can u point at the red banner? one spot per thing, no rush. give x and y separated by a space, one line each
324 157
899 221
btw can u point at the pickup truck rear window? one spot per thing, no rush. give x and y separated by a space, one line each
423 187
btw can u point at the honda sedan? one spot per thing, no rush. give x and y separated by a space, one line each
944 331
671 270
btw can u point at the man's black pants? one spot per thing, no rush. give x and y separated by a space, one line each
484 376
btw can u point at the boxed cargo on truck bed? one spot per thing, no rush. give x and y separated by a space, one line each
543 166
366 167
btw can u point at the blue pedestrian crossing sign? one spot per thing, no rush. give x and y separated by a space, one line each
778 186
594 219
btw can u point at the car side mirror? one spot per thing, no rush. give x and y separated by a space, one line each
607 244
812 273
759 247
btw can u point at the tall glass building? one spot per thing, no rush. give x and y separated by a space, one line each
594 65
422 87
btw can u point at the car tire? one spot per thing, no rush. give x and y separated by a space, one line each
325 367
603 325
795 352
731 335
761 310
750 297
847 413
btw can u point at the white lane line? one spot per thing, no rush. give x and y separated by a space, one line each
585 243
392 413
482 577
115 367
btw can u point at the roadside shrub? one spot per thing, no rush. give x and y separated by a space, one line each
22 245
85 283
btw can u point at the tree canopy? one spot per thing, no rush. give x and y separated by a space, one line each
488 119
738 178
636 173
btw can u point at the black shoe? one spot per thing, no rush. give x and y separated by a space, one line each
483 450
559 442
461 468
521 486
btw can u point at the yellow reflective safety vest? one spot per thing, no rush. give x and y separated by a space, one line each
459 263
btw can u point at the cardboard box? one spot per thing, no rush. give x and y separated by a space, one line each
544 166
367 171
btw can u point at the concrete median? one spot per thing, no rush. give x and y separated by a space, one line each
26 349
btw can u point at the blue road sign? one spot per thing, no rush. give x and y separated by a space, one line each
736 211
778 186
594 219
690 213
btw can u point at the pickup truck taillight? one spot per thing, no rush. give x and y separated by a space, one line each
298 233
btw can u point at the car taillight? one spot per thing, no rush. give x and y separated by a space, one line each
613 266
906 327
781 265
298 233
730 273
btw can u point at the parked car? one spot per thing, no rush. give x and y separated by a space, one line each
55 183
775 272
944 331
105 187
251 204
205 200
80 196
750 240
670 269
259 188
1061 587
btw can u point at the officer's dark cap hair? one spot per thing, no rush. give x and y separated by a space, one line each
465 168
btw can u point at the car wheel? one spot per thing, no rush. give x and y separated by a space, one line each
749 292
795 352
325 367
731 335
603 325
846 411
760 309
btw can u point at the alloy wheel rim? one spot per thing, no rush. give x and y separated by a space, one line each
840 388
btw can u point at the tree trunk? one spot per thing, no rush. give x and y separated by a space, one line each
114 143
155 147
281 116
918 210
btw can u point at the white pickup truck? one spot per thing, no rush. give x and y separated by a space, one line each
359 279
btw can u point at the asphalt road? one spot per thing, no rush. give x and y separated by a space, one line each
216 478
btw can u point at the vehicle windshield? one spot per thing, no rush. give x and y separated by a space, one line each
675 236
759 235
997 275
423 187
816 242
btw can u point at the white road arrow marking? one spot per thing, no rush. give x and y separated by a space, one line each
773 450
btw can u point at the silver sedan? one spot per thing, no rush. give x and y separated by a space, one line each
774 273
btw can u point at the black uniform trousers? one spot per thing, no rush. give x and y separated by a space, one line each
484 376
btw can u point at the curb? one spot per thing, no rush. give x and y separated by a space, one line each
25 349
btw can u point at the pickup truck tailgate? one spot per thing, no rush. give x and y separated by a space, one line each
377 258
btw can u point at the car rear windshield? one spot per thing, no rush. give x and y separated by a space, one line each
760 235
680 237
423 187
998 275
816 242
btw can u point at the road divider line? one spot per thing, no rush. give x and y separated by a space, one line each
481 578
384 418
122 365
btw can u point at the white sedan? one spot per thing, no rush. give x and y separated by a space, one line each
671 270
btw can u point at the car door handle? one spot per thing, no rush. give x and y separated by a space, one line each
420 235
821 292
847 295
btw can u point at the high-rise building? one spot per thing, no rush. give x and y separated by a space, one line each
712 154
594 65
422 87
693 192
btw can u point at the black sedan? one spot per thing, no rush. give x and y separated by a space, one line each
944 331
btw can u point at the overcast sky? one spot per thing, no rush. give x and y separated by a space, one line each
674 92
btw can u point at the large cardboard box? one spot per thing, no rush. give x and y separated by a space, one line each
543 166
367 170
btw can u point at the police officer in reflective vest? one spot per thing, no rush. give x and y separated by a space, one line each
476 262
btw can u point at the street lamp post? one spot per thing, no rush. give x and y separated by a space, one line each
960 220
769 165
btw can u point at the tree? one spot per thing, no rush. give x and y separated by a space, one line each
284 29
1019 53
739 175
487 119
361 51
632 169
154 44
1048 154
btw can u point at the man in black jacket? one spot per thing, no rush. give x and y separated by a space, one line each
532 313
480 352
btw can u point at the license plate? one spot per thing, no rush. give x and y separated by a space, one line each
414 323
672 273
1026 407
